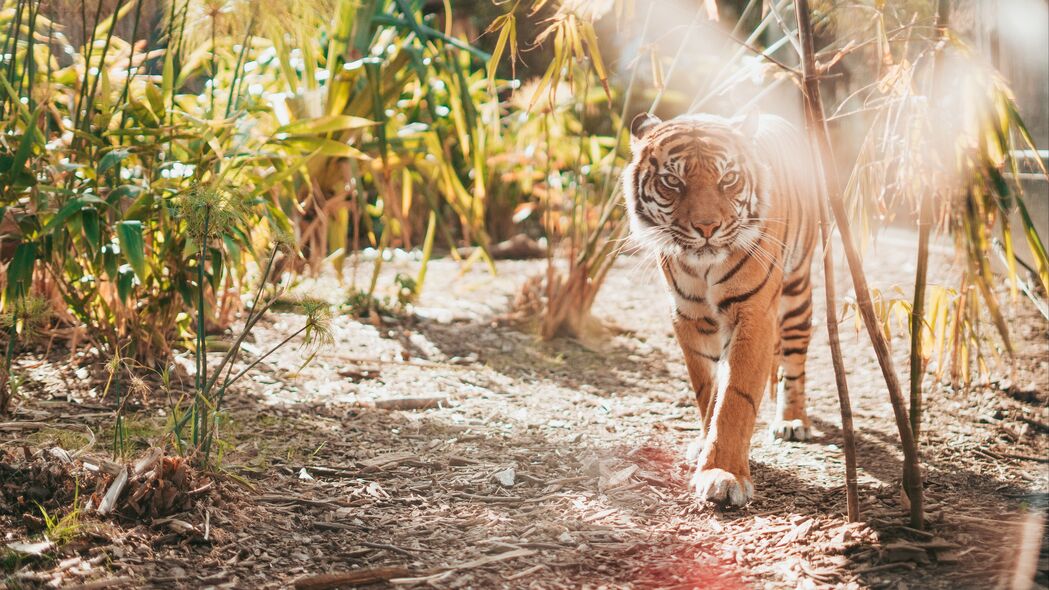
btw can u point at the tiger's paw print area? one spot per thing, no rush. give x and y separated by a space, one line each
722 487
789 430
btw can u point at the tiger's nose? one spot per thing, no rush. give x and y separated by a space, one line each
707 229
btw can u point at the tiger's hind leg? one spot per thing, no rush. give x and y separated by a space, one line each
795 330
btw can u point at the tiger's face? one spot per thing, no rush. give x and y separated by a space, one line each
692 191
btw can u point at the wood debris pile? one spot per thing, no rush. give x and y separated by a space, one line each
30 481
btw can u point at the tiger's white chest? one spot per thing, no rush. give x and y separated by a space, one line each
693 288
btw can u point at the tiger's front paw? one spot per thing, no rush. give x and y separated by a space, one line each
795 430
722 487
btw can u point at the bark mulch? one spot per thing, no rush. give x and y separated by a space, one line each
451 449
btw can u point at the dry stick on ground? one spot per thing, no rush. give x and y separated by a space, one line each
817 124
352 578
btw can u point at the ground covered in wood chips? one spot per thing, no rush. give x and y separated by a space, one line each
519 463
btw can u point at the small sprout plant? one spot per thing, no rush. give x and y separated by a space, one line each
364 304
207 212
125 383
62 530
24 316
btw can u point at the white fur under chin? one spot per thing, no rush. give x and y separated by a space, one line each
705 259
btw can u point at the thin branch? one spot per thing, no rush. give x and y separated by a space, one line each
269 352
760 53
816 122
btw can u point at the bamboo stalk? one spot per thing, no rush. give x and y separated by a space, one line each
918 315
817 123
852 499
925 220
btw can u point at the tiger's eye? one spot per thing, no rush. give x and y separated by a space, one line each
672 181
728 179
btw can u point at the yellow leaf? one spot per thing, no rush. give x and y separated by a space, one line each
497 52
590 37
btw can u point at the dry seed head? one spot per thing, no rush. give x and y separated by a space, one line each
318 323
30 312
283 240
138 386
211 210
113 365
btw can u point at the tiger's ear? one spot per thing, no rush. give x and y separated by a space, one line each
746 124
642 124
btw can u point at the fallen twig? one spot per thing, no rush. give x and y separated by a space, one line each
358 577
115 489
405 403
106 583
289 499
526 572
388 547
7 426
365 361
1025 457
886 566
445 571
495 499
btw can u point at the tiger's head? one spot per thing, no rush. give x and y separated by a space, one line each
692 188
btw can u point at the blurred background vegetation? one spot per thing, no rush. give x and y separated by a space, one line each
351 128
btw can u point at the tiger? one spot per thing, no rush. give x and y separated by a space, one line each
728 208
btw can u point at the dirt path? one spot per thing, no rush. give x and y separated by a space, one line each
556 465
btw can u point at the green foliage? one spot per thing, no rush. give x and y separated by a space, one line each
63 529
352 120
69 439
407 289
364 304
139 182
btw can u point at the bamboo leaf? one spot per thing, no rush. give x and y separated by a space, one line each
1026 135
125 284
590 38
20 270
1036 245
71 208
1010 255
133 246
92 231
324 125
325 146
500 47
110 160
126 191
995 310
